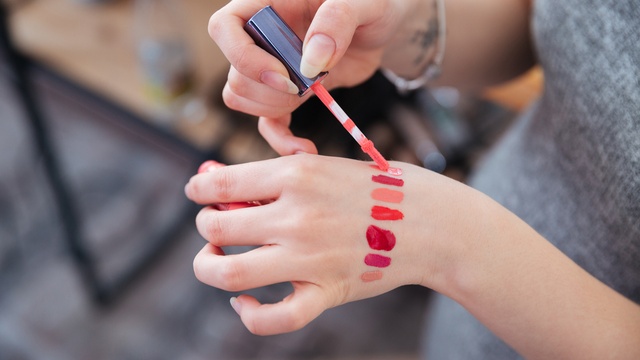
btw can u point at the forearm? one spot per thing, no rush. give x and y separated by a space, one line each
535 298
487 42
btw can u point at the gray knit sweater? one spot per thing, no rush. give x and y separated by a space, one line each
570 167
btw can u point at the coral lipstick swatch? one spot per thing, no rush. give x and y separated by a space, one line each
378 238
387 195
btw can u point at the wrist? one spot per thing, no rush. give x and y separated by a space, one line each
414 45
468 225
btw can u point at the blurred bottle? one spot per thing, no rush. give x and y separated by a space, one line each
164 58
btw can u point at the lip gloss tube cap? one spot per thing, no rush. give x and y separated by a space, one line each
272 34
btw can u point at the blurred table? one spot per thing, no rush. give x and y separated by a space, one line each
90 49
93 44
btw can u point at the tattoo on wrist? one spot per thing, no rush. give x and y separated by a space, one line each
428 45
426 38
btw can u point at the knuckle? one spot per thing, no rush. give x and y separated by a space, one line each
301 173
254 326
230 276
215 230
342 11
296 319
244 60
231 99
213 26
236 82
194 187
223 183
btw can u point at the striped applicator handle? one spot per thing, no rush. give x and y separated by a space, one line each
365 144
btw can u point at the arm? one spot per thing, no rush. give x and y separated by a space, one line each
487 42
534 297
459 243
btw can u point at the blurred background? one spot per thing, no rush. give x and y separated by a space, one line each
107 107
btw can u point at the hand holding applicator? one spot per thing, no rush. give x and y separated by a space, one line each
272 34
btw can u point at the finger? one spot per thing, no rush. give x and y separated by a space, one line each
226 28
235 228
237 183
292 313
332 30
239 87
253 269
277 133
251 107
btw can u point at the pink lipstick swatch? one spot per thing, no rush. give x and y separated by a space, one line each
386 180
377 260
380 239
387 195
384 213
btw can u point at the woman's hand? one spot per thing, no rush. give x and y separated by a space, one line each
313 233
347 37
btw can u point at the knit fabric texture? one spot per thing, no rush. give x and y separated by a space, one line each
570 166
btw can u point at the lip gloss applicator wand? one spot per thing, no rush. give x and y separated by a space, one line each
272 34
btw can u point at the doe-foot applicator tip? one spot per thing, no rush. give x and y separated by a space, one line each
368 147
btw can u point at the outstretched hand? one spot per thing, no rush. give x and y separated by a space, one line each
314 232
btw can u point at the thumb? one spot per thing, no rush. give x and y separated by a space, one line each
329 36
277 133
292 313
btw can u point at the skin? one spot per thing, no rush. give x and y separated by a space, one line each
459 243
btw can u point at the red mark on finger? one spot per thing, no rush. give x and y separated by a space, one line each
386 180
377 260
380 239
384 213
209 164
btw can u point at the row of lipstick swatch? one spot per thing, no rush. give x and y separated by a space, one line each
381 240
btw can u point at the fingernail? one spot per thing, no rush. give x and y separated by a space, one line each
278 82
235 304
316 55
300 152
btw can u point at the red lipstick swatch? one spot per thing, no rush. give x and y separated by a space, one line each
377 260
384 213
380 239
387 180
